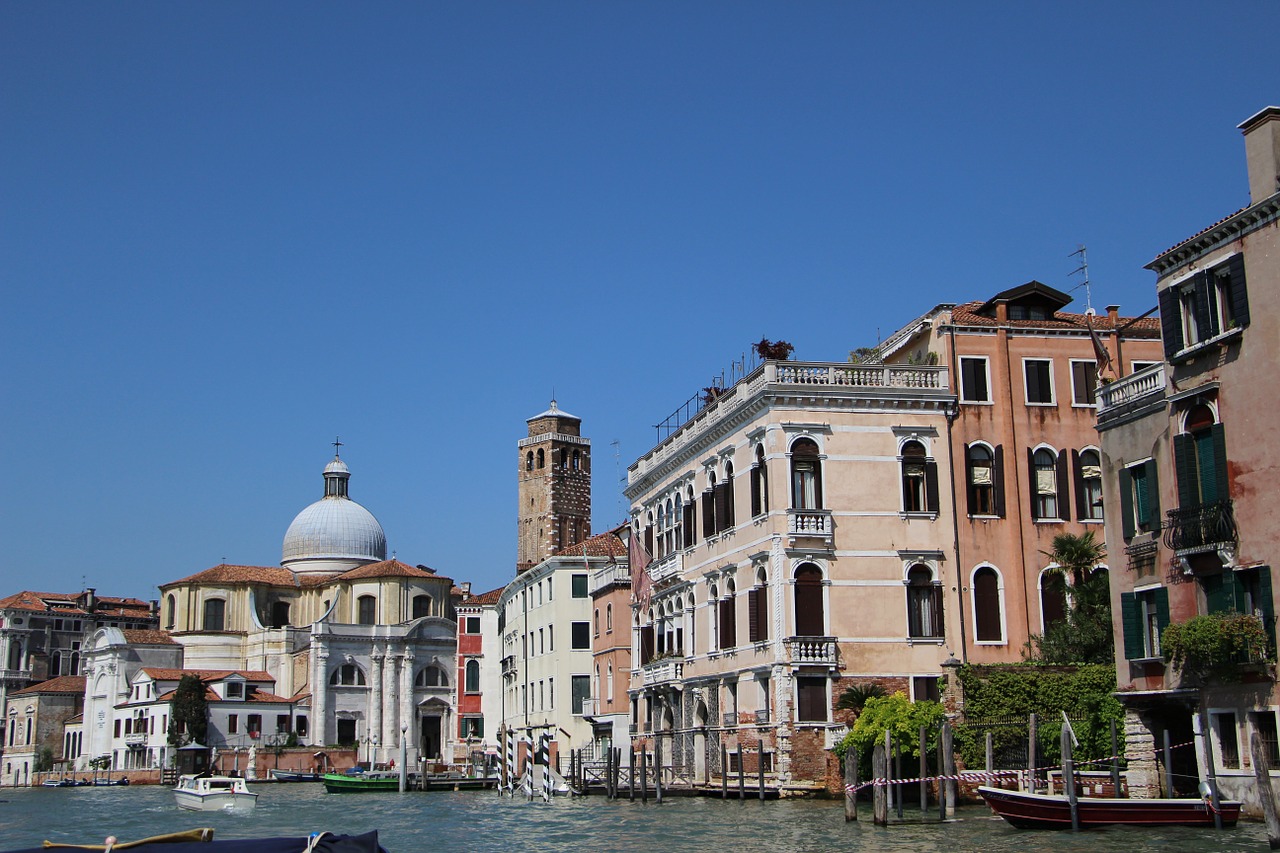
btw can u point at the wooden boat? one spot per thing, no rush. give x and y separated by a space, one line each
377 780
294 776
1051 811
214 793
201 841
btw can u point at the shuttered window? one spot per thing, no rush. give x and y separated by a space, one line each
1039 379
757 614
988 624
811 699
810 618
1209 304
1144 616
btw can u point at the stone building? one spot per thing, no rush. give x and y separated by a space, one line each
1187 477
553 486
36 716
479 673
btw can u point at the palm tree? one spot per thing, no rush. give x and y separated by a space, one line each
1078 555
858 695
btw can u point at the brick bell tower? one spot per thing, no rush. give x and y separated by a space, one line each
554 477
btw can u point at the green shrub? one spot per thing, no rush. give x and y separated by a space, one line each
898 715
1214 646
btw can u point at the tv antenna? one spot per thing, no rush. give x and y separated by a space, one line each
617 470
1083 269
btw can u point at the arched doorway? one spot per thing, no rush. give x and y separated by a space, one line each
700 740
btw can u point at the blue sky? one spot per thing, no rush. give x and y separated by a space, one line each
232 231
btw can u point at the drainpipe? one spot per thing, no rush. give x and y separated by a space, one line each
953 412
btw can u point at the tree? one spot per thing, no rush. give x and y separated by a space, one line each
189 721
1084 636
44 760
857 696
773 350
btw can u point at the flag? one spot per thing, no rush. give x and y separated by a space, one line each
1106 371
638 559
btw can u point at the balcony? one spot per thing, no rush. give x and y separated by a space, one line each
670 566
135 739
15 675
1200 529
730 719
590 707
812 651
1131 393
811 524
662 672
762 717
617 574
509 665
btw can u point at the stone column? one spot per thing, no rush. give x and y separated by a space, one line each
374 715
1140 751
406 697
390 716
319 692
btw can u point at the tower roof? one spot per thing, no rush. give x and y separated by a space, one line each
554 412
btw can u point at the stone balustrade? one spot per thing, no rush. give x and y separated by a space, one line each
663 672
812 650
1149 380
670 566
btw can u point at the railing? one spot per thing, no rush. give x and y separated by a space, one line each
589 707
135 738
809 522
615 574
812 650
15 674
1200 528
669 566
857 375
661 672
508 664
762 716
730 719
1149 380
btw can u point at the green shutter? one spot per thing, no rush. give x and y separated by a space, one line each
1219 592
1220 461
1184 465
1153 496
1162 608
1131 624
1239 291
1170 321
1126 503
1268 603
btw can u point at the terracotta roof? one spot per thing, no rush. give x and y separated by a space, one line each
387 569
300 695
263 696
72 604
160 673
149 638
600 545
483 599
61 684
225 574
1148 327
1201 232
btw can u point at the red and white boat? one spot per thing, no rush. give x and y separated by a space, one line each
1052 811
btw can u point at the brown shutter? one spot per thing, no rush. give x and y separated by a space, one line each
970 493
690 523
753 615
931 486
708 514
1064 483
1082 511
1170 321
997 476
1032 493
755 490
808 597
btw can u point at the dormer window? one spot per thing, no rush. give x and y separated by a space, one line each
235 690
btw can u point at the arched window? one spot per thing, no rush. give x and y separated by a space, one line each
367 610
678 520
810 612
1045 476
215 614
347 675
432 676
728 617
577 460
758 610
55 664
660 551
171 611
15 655
982 480
690 518
542 459
759 485
1200 457
421 606
75 663
595 623
473 676
725 514
806 480
608 617
608 684
1053 598
528 461
924 604
988 622
919 479
669 530
1089 485
279 614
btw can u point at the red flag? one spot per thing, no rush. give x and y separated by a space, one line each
638 559
1106 371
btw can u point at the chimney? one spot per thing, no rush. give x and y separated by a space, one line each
1262 153
90 599
466 590
155 608
1113 314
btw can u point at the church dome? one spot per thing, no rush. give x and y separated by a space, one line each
334 534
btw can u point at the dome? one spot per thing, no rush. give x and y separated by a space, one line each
335 533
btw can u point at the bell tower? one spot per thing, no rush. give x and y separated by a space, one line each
554 493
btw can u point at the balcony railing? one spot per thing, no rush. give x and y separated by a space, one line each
1132 388
860 375
1201 528
135 738
509 664
670 566
663 671
810 523
820 651
15 675
589 707
730 719
609 575
762 716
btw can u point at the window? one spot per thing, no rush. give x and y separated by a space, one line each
472 684
758 612
580 586
366 607
253 724
215 610
973 380
988 621
1242 591
810 615
528 461
728 618
985 479
1144 615
431 676
595 623
1135 366
690 518
421 607
1200 460
724 500
171 611
1048 484
542 459
1039 377
1208 304
1053 599
1264 723
919 479
235 690
925 688
924 604
580 687
472 728
1084 383
1139 499
233 724
608 618
347 675
581 636
1088 468
806 485
1228 737
759 485
811 699
471 625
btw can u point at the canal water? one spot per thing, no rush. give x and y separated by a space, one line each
486 821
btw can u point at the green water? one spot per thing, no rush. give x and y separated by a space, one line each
487 821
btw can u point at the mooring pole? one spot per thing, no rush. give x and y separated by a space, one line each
724 771
1262 773
888 763
897 774
760 766
1031 753
949 755
1115 761
880 791
644 776
1168 766
742 774
991 761
657 769
1210 773
631 775
924 772
1069 779
851 784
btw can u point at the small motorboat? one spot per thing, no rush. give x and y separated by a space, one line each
1052 811
201 841
374 780
294 776
214 794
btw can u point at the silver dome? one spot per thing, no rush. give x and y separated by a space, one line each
335 533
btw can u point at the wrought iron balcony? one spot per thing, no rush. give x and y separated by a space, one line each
1197 529
819 651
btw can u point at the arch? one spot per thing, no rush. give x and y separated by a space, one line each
542 459
171 611
431 675
987 590
215 614
980 460
528 461
1089 484
1044 475
608 684
348 675
577 460
608 617
472 676
924 602
806 474
367 610
422 605
759 484
279 614
1053 598
919 477
810 615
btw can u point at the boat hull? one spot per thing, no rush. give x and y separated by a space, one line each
1044 811
339 783
294 776
214 794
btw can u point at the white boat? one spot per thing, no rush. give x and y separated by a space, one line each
214 794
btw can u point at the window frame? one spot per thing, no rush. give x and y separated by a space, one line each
915 595
986 379
586 635
1087 363
1026 382
1000 616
